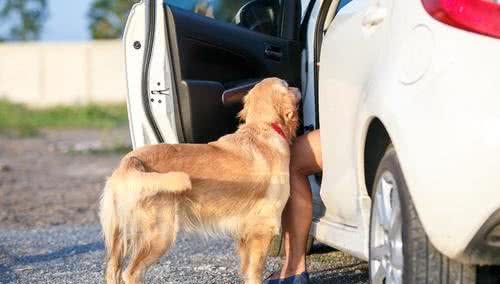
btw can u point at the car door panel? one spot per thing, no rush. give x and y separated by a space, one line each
209 57
203 109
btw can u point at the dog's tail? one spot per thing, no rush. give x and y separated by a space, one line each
147 184
129 185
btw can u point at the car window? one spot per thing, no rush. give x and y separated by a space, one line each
257 15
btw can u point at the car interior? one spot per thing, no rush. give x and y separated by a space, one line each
212 58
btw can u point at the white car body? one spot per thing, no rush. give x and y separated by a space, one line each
384 63
437 101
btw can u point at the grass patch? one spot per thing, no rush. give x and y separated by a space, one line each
118 149
20 120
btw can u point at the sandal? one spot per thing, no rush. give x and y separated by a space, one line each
302 278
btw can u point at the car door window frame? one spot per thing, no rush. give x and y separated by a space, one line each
288 18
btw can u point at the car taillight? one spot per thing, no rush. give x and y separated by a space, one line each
481 16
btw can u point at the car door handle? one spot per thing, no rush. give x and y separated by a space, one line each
374 17
273 52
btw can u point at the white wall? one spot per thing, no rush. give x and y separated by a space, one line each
47 74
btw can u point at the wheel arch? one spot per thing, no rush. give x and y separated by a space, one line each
377 140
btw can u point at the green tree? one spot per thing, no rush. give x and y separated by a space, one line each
108 17
22 20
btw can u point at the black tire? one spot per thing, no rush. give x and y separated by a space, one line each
423 264
277 246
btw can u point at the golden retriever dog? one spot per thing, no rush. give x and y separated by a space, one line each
237 185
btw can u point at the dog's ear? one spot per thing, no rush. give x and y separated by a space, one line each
288 112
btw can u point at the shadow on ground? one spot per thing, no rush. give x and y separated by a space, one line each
333 266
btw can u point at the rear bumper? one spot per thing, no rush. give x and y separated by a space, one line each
485 246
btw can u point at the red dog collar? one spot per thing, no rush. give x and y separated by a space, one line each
278 129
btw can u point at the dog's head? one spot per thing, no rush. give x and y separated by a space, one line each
273 101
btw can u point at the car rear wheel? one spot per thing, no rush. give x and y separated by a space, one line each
400 251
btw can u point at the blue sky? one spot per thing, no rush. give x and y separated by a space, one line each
67 21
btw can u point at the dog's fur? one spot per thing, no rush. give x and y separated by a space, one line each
237 185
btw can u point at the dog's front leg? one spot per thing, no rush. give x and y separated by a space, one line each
253 251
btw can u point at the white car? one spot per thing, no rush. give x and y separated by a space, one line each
407 93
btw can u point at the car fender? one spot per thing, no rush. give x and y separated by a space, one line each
448 154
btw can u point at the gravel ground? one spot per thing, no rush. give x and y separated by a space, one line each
49 187
73 254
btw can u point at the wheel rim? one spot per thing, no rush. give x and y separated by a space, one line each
386 242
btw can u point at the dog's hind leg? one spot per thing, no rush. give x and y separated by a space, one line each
155 236
244 256
113 267
255 250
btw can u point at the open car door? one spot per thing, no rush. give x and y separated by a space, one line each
189 62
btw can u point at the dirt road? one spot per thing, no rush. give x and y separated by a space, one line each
50 180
